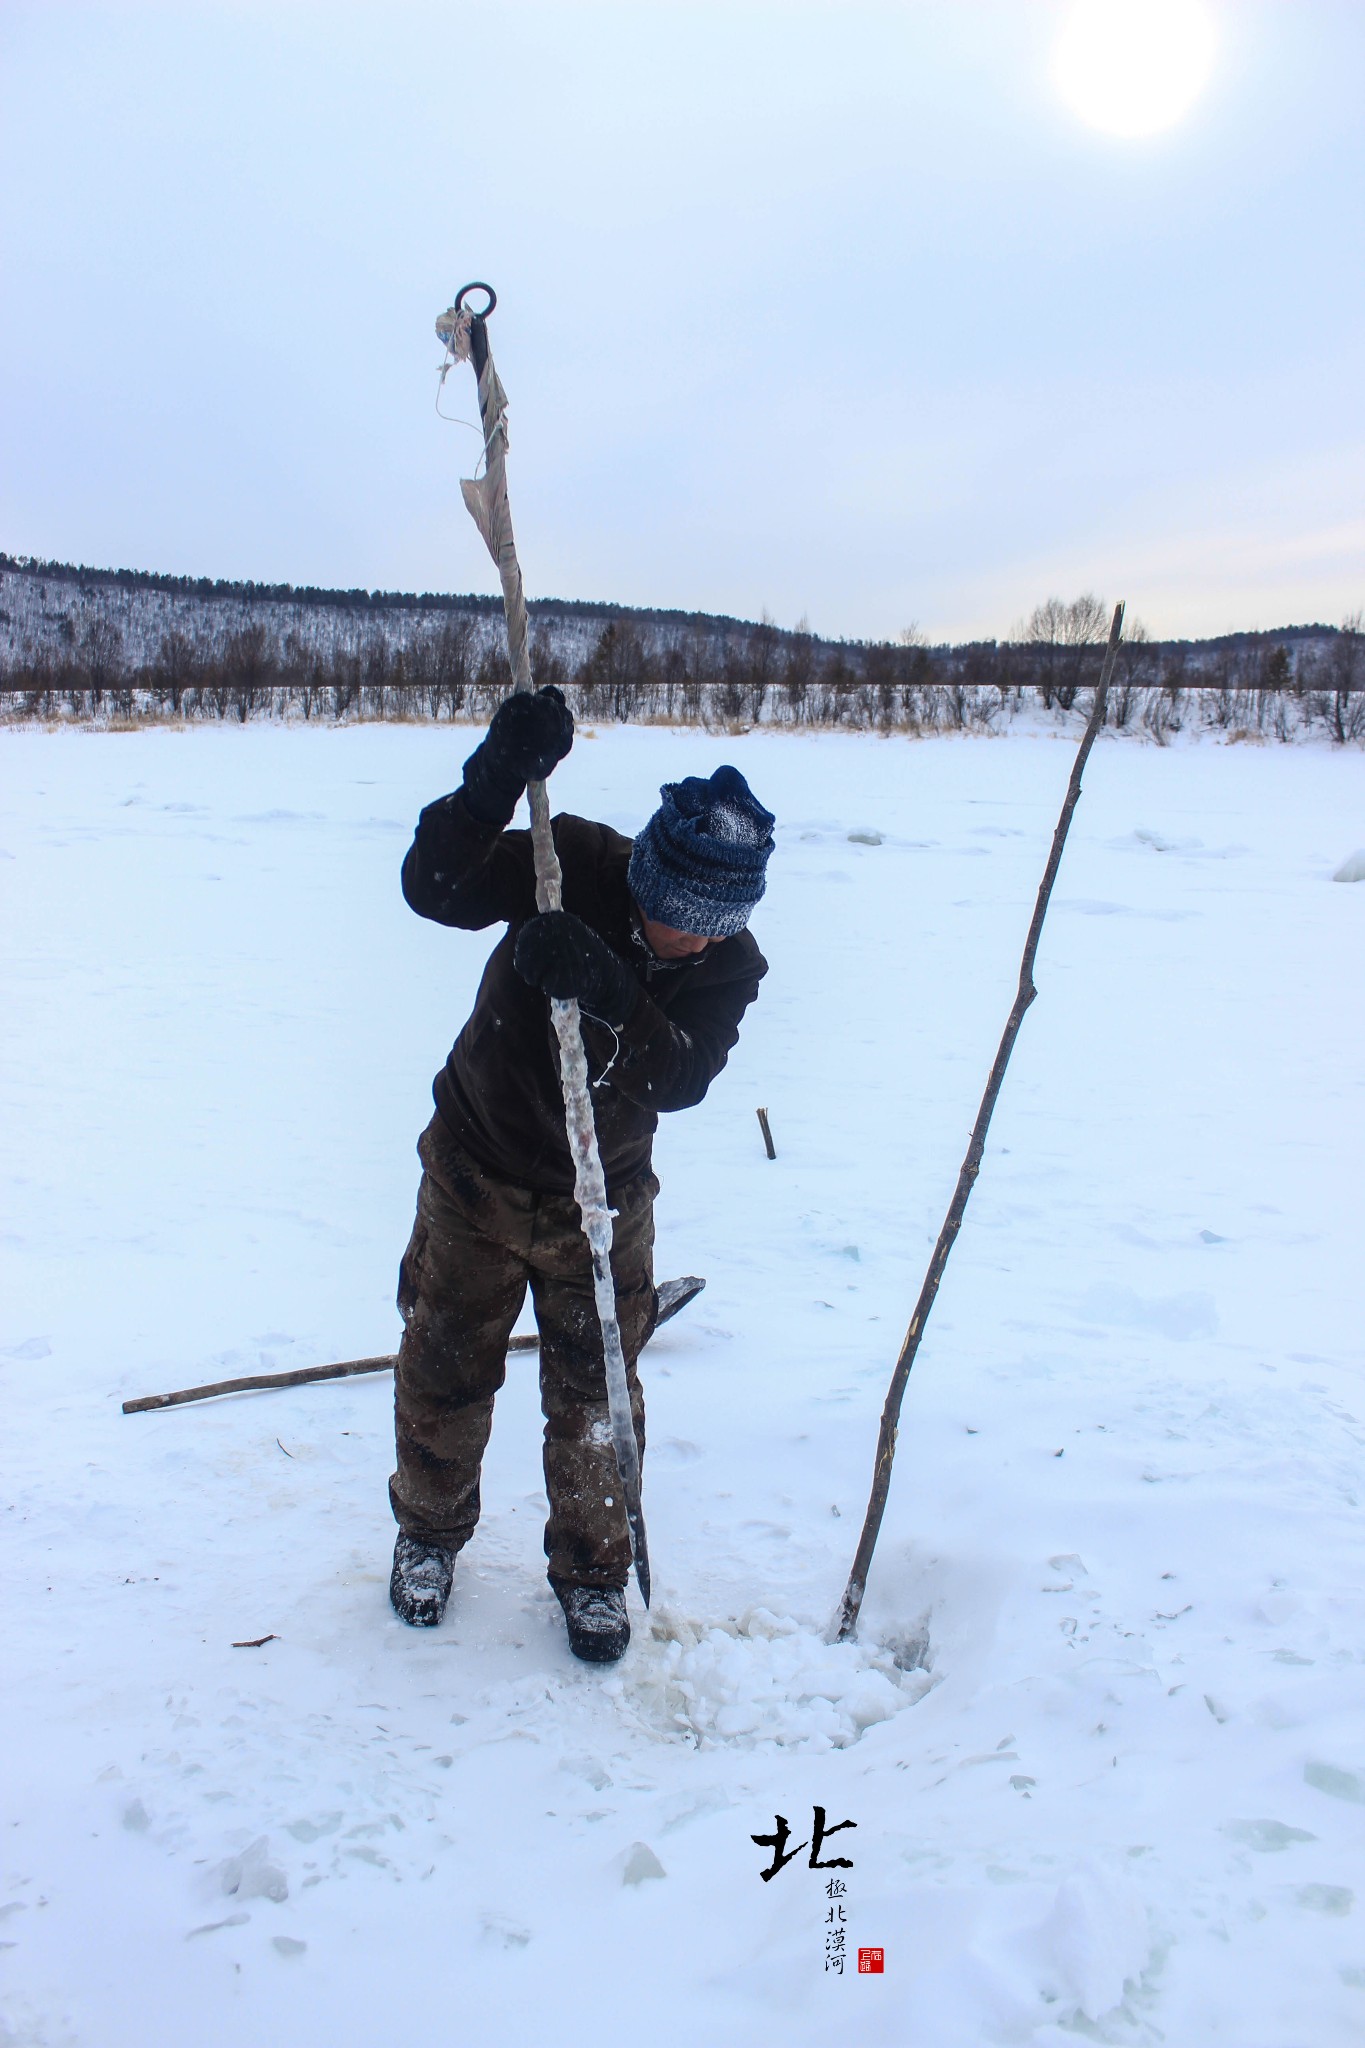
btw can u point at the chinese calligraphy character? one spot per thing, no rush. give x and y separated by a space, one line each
778 1844
782 1855
822 1834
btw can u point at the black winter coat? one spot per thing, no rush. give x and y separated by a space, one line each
499 1091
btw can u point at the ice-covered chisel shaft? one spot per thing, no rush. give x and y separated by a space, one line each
487 503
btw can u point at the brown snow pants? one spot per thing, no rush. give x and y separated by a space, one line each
476 1244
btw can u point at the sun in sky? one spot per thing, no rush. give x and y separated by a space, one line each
1134 67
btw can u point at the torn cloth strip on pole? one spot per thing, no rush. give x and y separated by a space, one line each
465 335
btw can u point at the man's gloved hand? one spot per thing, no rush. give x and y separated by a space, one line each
530 732
557 952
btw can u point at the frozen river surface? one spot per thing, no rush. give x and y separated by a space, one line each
1103 1735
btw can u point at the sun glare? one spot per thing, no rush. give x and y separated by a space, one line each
1134 67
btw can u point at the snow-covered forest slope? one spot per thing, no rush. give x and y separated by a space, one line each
1101 1735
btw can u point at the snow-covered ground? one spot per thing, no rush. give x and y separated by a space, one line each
1103 1736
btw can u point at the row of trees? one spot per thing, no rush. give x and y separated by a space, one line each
453 667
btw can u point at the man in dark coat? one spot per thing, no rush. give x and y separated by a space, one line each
652 942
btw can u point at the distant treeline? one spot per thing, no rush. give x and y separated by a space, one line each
122 646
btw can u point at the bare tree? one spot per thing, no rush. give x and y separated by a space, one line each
798 670
611 676
1063 633
102 649
175 666
1131 670
248 659
1348 694
1279 676
762 663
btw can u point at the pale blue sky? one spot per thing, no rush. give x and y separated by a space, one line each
831 310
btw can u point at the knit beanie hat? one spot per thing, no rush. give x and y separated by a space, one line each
699 863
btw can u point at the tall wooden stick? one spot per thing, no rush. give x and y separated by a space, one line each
846 1621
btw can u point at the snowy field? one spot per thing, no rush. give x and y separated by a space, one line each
1103 1736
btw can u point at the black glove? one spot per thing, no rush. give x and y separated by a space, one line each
557 952
530 732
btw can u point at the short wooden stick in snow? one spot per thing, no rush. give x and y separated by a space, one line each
846 1621
766 1129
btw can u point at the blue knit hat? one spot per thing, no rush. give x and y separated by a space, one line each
698 864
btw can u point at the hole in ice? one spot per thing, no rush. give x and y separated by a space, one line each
766 1680
909 1649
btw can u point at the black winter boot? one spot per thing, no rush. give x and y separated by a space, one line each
420 1585
596 1619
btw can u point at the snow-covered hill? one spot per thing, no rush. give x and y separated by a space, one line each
101 646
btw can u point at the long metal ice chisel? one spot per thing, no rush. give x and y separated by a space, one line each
465 334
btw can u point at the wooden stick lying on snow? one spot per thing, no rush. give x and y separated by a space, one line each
673 1295
300 1378
846 1621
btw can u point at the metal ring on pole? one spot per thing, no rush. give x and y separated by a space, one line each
477 286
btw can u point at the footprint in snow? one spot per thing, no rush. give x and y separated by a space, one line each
1335 1782
500 1931
676 1450
1266 1837
1181 1316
